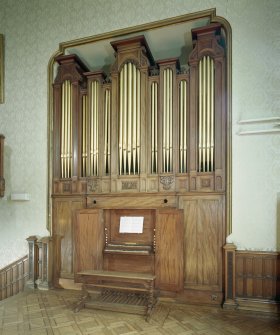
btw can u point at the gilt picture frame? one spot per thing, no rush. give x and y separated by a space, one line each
1 68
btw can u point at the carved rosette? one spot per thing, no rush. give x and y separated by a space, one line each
167 182
92 185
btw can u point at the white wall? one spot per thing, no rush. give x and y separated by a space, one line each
33 30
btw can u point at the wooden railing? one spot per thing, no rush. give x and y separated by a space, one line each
13 278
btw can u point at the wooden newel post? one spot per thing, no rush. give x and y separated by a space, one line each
230 301
44 281
32 262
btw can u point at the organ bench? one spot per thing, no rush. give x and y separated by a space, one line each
120 291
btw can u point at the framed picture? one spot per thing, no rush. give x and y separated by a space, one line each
1 68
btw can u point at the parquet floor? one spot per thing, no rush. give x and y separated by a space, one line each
50 312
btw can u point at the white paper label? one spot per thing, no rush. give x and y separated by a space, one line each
131 224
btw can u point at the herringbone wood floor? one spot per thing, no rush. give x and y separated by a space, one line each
50 312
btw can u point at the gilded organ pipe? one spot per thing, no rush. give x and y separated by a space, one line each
62 145
152 127
129 120
84 136
94 148
121 123
183 126
154 89
138 132
107 130
212 115
66 130
171 121
134 119
156 126
167 124
206 115
167 120
124 135
164 123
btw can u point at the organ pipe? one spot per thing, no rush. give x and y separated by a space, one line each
107 131
129 120
167 120
154 106
206 115
66 130
93 115
84 135
183 126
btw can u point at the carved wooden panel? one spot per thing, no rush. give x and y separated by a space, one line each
136 201
129 263
89 240
257 274
62 230
204 239
169 250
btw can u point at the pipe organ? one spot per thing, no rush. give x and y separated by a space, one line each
147 135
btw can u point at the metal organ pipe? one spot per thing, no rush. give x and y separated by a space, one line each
62 144
154 106
93 115
84 135
129 120
134 119
167 120
138 105
66 130
183 126
121 123
206 115
107 131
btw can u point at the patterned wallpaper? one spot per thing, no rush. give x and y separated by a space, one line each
33 30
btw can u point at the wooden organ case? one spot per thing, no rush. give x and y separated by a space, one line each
148 140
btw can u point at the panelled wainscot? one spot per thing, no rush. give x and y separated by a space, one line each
147 139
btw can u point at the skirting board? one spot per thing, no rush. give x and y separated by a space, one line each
258 305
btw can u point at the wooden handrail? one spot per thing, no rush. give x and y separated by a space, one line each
13 278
